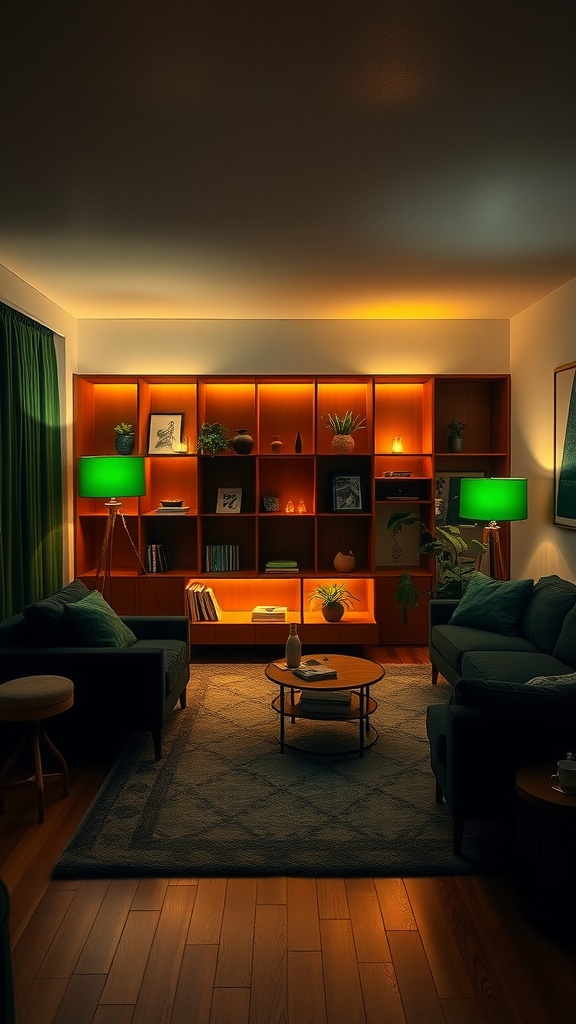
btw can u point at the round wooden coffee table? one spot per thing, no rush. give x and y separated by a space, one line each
547 851
354 674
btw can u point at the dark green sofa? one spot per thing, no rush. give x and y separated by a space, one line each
131 687
495 723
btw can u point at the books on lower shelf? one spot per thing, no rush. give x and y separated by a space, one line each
156 558
222 557
279 565
179 510
269 613
331 701
202 602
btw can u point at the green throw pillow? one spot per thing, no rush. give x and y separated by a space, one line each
47 624
494 605
97 624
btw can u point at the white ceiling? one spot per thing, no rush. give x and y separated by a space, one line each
262 158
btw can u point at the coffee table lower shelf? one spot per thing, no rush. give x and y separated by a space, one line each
287 705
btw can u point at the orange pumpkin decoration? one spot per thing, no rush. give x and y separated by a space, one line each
344 563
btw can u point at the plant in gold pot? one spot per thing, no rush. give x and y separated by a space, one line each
344 427
334 598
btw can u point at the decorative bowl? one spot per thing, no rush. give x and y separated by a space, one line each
172 503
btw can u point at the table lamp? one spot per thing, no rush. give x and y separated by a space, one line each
112 477
489 499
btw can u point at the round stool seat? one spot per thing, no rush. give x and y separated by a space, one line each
31 698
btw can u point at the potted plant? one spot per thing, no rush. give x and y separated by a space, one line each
213 438
334 598
124 440
455 437
344 427
452 568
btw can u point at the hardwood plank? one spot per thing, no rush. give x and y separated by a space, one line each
206 920
419 996
268 1002
302 914
69 940
237 934
160 979
40 1002
344 1003
80 999
230 1006
193 998
129 963
306 999
113 1015
440 944
394 903
150 894
368 929
104 936
464 1011
271 890
34 943
382 1001
332 901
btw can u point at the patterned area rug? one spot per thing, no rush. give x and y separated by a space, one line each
225 801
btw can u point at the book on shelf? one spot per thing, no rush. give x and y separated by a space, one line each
156 558
222 557
312 672
282 566
202 602
269 613
181 510
332 701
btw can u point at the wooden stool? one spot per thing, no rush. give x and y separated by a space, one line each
29 700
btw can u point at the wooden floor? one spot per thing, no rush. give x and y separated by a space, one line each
266 950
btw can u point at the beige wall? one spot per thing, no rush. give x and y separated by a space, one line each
541 338
293 346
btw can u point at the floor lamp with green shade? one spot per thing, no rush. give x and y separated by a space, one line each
112 477
491 499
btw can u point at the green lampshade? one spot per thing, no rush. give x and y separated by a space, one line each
111 476
494 498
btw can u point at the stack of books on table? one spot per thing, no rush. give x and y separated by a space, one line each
202 602
277 565
269 613
333 702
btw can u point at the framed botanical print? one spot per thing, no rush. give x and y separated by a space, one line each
347 492
165 433
565 446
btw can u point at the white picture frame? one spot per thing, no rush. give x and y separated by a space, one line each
229 500
165 433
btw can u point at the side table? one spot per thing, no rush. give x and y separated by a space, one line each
547 852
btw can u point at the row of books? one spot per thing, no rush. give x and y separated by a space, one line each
222 557
279 565
156 558
202 602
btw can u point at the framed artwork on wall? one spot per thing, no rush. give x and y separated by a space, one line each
565 446
347 492
165 433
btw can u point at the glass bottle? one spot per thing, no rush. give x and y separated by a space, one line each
298 443
293 647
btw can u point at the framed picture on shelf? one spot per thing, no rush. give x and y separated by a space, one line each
165 433
565 446
447 498
347 492
229 499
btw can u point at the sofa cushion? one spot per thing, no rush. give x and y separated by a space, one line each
565 649
47 625
452 642
514 666
175 658
559 682
542 618
492 604
96 624
491 692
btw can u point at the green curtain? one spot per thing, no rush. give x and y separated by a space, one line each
31 467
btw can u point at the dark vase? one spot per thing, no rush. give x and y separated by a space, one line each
124 443
243 443
333 612
455 442
298 444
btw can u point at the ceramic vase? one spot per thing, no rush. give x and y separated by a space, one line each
124 443
243 442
